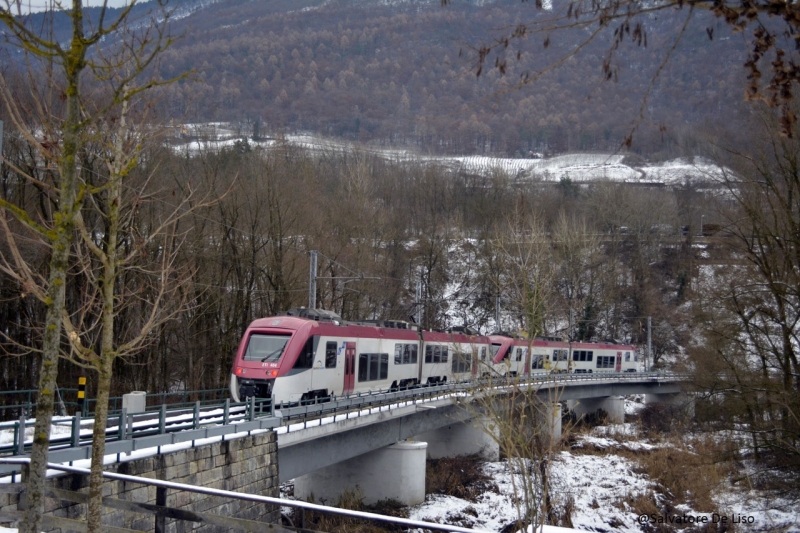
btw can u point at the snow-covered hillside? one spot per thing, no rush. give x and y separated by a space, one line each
579 167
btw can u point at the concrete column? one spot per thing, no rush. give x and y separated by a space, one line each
613 405
396 472
463 438
550 423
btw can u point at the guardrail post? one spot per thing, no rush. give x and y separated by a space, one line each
226 413
196 417
251 406
162 419
20 444
123 422
76 430
161 519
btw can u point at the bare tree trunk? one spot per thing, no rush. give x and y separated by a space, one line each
63 232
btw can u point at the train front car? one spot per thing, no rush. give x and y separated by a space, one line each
269 349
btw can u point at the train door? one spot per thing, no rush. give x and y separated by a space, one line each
619 362
349 367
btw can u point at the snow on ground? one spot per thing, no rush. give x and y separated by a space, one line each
599 485
596 483
578 167
602 485
768 514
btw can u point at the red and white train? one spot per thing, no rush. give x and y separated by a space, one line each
312 354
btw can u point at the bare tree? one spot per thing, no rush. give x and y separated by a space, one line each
523 271
58 123
751 311
124 265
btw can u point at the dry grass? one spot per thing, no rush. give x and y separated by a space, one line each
460 476
684 475
353 500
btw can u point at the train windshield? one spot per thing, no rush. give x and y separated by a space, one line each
265 348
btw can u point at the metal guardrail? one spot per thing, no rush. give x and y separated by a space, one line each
127 433
27 406
221 521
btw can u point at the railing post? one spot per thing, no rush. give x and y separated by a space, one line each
162 419
76 430
196 417
226 413
123 422
251 409
21 436
161 500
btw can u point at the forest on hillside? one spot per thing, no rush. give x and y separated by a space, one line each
404 73
608 255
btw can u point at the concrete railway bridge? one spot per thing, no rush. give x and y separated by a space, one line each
378 442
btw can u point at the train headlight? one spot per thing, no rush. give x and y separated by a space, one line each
240 371
273 373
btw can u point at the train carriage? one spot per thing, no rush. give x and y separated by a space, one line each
312 354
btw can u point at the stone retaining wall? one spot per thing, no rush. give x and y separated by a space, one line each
248 465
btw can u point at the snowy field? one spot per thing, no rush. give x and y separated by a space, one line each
578 167
602 488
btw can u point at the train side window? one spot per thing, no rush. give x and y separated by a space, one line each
519 354
330 355
483 353
383 372
373 366
444 354
576 355
627 356
429 354
461 362
405 354
437 354
306 358
589 355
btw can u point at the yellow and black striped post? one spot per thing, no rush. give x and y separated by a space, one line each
81 393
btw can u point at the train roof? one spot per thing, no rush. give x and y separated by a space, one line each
323 322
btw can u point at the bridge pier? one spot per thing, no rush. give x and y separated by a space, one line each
550 423
463 438
614 406
396 472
